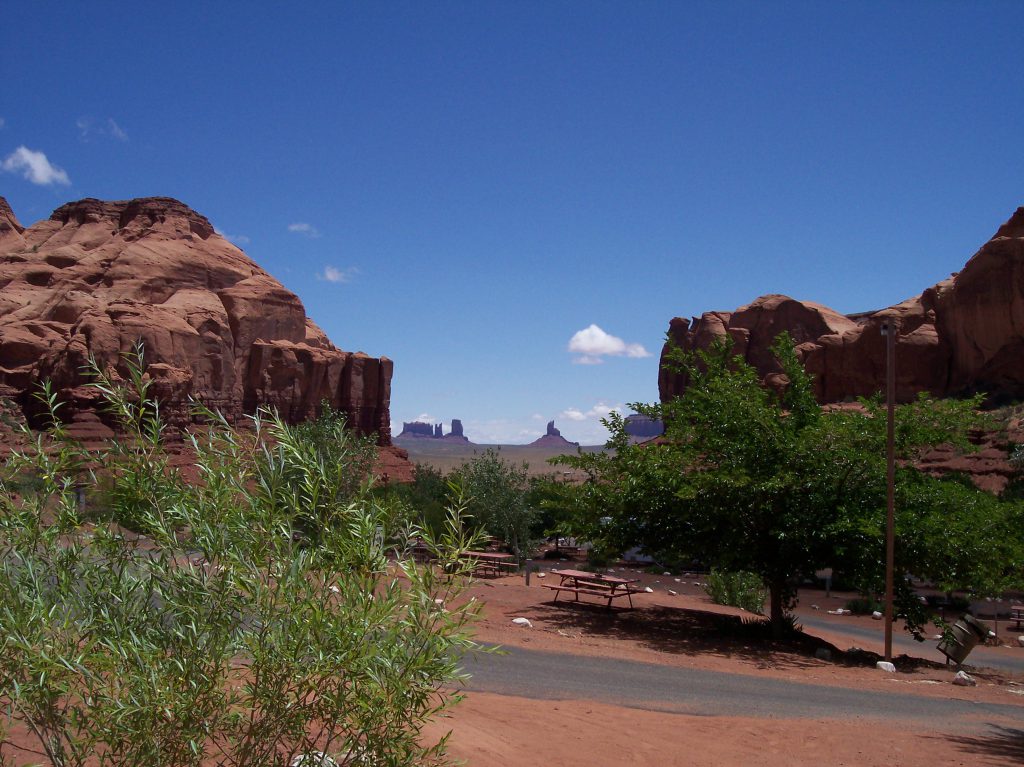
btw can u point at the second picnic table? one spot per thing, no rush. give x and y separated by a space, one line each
606 587
491 562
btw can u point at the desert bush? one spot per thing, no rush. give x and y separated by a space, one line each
864 605
497 492
245 619
739 589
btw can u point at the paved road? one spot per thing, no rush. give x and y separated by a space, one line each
556 676
902 642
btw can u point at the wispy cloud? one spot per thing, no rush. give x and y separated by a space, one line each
2 123
334 274
35 167
237 239
301 227
597 412
88 127
592 344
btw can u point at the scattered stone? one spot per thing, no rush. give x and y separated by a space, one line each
334 588
677 580
696 583
525 622
666 573
815 607
938 637
963 679
876 615
648 589
542 575
823 653
313 759
1020 641
672 593
884 665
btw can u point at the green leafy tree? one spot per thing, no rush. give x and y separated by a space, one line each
257 615
750 479
497 498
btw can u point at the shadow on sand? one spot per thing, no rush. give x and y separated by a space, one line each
687 631
1005 744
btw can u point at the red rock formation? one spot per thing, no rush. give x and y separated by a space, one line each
962 335
98 276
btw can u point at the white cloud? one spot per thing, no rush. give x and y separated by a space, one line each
2 123
425 418
88 127
237 239
301 227
596 413
115 130
35 167
334 274
592 343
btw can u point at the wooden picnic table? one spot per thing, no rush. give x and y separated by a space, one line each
1017 614
607 587
492 562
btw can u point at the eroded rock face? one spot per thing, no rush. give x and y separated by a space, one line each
960 336
98 276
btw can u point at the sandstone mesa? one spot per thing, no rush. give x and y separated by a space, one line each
961 336
98 276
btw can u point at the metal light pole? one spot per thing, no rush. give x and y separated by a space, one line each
889 329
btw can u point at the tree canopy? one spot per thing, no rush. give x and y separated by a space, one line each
769 481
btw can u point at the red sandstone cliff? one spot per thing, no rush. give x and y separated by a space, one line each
962 335
97 276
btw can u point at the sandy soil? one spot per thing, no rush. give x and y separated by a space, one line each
491 729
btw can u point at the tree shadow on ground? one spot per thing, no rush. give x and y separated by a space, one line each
1002 743
687 631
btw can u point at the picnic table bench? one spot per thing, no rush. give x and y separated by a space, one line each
492 563
606 587
1017 614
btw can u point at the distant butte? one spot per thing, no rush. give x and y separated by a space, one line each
97 276
421 430
553 438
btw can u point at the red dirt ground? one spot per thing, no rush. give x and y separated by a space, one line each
490 729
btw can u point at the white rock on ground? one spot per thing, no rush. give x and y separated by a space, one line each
649 590
542 575
963 679
876 615
525 622
313 759
1020 641
672 593
884 665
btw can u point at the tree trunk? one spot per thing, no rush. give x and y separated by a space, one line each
777 610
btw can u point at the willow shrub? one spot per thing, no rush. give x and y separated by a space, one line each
261 613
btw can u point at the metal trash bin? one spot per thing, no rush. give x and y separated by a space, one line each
962 638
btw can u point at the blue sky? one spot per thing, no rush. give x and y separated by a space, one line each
465 187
